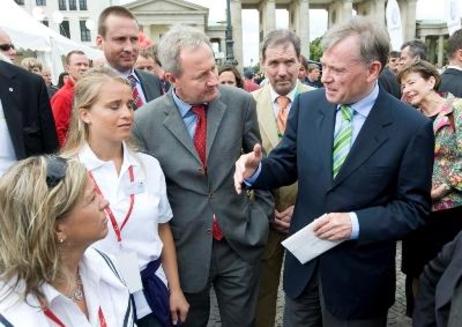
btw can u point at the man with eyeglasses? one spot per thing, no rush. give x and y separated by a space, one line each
7 47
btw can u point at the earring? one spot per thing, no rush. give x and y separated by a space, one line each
60 240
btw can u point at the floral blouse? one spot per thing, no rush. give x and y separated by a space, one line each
447 168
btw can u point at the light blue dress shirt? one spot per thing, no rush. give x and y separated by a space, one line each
361 110
189 118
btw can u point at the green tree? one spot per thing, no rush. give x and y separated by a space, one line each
315 49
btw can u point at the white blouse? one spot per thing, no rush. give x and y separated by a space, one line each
103 289
151 207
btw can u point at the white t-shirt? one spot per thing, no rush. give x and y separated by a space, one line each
102 288
151 207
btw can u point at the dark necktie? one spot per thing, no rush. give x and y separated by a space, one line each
136 96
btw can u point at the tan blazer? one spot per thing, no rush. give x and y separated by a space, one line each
285 196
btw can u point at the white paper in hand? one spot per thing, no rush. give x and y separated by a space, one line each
305 246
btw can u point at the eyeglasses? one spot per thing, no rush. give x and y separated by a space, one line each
56 170
6 46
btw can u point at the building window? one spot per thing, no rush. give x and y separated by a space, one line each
85 34
41 2
19 2
72 4
62 5
83 4
64 29
45 22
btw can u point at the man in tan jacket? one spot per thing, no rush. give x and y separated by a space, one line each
280 59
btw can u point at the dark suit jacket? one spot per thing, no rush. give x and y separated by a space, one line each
150 84
437 285
385 179
27 111
194 194
388 82
451 81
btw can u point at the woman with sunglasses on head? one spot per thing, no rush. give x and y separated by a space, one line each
139 233
50 214
419 83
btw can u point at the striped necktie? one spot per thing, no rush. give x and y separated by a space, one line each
343 138
136 96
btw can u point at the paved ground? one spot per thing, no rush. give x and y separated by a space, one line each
396 317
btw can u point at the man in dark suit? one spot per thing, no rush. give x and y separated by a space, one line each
363 161
197 131
451 79
118 37
26 123
439 300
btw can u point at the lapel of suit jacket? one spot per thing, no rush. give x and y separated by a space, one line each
146 88
215 112
9 93
325 125
174 123
371 136
266 116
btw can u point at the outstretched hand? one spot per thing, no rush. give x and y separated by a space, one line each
246 166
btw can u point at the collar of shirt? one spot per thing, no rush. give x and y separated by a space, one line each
92 162
90 272
126 74
364 106
454 67
182 106
291 95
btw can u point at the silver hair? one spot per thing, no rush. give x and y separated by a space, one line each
176 39
374 42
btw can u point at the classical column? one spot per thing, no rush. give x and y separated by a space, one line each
346 10
236 11
440 50
267 11
408 17
378 12
301 26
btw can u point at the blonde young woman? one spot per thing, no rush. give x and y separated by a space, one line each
133 183
50 214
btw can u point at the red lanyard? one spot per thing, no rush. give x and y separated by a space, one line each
50 315
115 226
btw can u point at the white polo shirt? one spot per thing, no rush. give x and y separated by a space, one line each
101 286
151 207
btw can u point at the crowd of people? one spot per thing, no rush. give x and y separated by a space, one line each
144 180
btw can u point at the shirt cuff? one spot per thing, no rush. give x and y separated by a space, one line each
249 181
354 226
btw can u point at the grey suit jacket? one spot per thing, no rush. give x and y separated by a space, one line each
194 194
150 85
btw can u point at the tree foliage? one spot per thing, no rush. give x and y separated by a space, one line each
315 49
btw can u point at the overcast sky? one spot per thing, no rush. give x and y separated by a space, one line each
426 9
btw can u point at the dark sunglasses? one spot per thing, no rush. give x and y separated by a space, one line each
56 170
6 46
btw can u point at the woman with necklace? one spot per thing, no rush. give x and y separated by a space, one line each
133 182
419 82
50 214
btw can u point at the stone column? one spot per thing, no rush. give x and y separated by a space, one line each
440 50
300 11
346 10
378 11
408 18
267 11
236 20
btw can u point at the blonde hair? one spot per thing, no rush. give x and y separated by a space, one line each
29 209
86 94
30 63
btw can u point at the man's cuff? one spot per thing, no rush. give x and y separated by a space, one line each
354 225
249 181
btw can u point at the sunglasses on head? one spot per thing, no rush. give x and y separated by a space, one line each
6 46
56 170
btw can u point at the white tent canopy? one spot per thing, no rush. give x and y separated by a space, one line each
27 33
